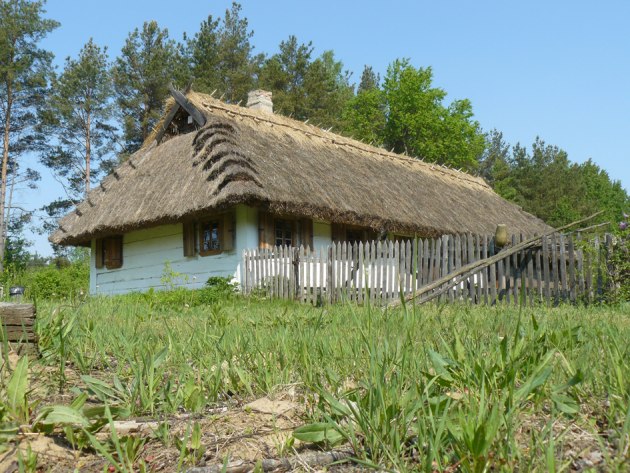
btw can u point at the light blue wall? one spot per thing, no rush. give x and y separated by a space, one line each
322 235
146 252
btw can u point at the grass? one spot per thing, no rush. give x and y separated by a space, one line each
432 388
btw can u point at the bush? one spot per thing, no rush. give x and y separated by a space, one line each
63 282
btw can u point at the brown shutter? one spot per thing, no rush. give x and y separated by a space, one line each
229 234
307 232
189 239
265 230
98 253
338 232
113 252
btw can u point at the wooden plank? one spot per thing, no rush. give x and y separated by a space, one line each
579 262
451 264
16 320
427 261
16 334
438 259
361 273
530 276
322 275
610 269
555 278
368 262
345 263
563 268
502 286
187 105
21 310
538 275
493 282
166 122
588 277
599 291
516 272
482 292
571 279
409 263
310 279
330 284
458 250
474 254
395 269
545 261
352 267
339 272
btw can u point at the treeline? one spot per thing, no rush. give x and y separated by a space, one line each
95 111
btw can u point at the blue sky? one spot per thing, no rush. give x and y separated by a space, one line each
556 69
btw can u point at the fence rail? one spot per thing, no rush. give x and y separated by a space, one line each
560 268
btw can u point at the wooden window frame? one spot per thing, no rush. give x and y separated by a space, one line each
287 224
192 233
219 221
103 246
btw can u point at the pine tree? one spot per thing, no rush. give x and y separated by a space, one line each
284 74
221 56
24 72
148 64
78 116
369 80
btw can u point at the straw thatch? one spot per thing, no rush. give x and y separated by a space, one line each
244 156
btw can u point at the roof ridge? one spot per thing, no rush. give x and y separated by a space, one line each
335 139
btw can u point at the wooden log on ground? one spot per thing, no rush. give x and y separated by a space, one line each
18 326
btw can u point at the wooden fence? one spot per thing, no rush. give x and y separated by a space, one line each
560 268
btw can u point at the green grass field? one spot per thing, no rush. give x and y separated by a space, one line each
431 388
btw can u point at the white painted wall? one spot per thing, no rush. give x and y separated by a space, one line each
145 253
322 235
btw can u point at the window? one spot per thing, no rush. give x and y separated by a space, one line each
109 252
354 235
210 238
283 232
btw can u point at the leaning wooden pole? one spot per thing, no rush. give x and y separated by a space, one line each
443 284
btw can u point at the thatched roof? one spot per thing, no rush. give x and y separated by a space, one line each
246 156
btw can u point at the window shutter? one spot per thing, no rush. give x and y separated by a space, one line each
265 230
307 232
98 253
338 232
189 239
229 234
114 252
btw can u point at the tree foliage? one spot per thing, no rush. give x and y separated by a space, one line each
149 62
78 116
220 56
24 72
306 88
547 184
408 115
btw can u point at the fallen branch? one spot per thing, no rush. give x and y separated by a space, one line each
313 460
454 278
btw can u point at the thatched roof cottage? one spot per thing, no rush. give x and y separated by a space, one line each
215 179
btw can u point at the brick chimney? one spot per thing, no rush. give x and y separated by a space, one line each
260 100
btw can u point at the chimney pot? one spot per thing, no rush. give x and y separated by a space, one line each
260 100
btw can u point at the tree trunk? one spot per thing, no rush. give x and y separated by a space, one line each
5 164
88 150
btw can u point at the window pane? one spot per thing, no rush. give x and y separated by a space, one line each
210 237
